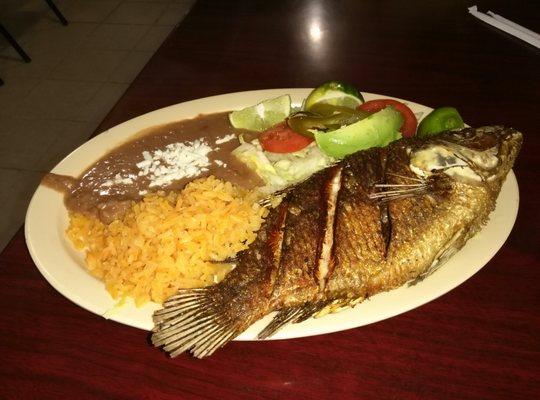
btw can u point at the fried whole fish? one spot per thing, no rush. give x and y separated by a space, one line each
375 221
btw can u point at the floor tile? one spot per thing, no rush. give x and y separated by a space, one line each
13 67
13 92
68 137
137 13
88 65
22 9
154 38
32 6
17 189
104 99
174 13
19 24
94 59
130 67
115 37
26 142
46 43
59 100
47 36
87 10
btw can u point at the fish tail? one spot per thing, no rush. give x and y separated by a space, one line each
197 320
203 320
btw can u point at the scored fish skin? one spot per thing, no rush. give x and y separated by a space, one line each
359 237
394 223
296 278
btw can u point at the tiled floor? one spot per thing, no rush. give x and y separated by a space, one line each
51 105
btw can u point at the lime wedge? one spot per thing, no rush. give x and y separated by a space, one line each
334 93
263 115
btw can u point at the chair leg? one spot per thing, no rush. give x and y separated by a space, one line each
14 43
55 9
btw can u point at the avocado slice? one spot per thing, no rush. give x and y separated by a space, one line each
377 130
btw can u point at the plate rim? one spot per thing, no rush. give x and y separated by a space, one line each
511 182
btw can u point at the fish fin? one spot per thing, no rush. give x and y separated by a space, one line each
203 320
385 192
452 246
228 260
194 320
274 198
428 272
290 315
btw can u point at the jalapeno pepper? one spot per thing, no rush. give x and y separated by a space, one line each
324 117
324 109
439 120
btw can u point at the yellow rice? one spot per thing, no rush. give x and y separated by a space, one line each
165 241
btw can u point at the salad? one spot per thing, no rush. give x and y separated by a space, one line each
333 122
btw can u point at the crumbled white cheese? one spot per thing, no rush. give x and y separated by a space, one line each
225 139
117 180
220 163
176 161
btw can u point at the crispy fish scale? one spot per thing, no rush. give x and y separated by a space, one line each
425 226
296 283
412 220
359 245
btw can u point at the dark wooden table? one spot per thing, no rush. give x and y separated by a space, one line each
480 341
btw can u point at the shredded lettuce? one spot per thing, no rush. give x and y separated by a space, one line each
280 170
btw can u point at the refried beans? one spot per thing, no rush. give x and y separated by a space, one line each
100 192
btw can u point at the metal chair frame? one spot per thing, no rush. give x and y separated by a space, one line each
11 40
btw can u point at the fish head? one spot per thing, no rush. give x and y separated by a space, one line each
473 156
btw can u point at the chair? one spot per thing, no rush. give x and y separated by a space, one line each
11 40
57 12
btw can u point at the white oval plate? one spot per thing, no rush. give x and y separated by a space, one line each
63 267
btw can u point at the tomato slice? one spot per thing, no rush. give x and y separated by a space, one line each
410 122
282 139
